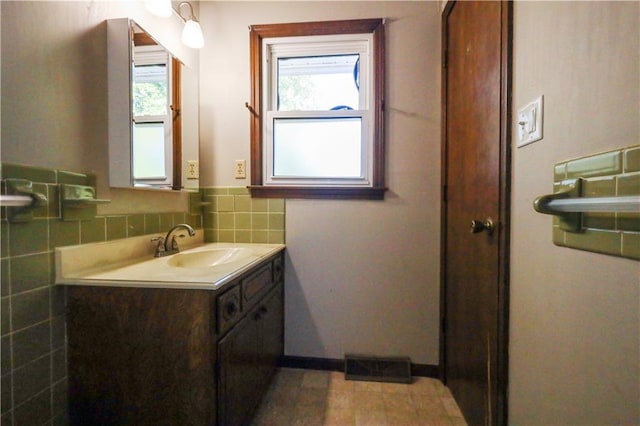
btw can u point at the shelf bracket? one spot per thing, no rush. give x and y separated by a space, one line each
78 202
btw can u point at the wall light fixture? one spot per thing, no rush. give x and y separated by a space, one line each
192 32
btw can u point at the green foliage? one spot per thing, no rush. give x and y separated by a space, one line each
150 98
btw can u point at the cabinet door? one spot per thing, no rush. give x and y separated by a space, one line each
271 333
140 356
239 373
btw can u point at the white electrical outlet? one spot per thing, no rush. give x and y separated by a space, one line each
241 169
193 169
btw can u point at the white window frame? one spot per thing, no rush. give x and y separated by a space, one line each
157 55
325 45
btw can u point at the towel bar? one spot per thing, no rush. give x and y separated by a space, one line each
569 205
21 200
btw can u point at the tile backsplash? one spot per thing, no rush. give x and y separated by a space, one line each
231 215
607 174
33 365
33 346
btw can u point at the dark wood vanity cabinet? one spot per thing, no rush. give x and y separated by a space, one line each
164 356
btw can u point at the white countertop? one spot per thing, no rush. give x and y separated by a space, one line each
123 263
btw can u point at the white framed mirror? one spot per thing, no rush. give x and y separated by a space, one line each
153 135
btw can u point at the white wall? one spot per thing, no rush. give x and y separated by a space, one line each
54 90
362 276
575 337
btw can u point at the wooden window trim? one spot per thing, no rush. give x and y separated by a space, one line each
359 26
176 114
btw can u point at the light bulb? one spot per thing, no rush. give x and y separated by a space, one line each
192 34
160 8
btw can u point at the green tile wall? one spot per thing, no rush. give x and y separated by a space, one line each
607 174
33 366
232 216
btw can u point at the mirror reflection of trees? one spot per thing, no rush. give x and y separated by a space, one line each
150 90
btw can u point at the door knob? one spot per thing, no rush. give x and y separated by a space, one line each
478 226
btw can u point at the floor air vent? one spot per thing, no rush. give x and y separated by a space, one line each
366 368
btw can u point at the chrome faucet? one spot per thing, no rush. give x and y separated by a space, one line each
169 245
170 242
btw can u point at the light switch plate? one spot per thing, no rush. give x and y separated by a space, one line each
530 122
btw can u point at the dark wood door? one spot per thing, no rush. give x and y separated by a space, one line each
248 356
475 164
140 356
239 372
272 334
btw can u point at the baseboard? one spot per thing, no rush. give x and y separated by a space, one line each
309 363
332 364
425 370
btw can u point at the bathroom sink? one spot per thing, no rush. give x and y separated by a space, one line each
211 257
205 266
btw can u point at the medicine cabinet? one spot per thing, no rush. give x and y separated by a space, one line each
153 134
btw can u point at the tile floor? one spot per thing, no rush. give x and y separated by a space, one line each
311 397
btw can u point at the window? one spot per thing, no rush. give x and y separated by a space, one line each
317 110
152 125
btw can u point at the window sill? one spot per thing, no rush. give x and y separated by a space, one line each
330 193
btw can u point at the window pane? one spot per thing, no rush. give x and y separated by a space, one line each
150 95
317 148
318 83
148 151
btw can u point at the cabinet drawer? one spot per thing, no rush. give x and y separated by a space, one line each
256 284
229 308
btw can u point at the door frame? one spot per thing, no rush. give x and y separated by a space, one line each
504 207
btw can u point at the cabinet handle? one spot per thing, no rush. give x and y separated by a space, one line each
230 309
257 316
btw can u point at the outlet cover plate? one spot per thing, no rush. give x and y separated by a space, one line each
530 122
241 169
193 169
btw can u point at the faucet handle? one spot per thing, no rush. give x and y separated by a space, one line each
160 252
